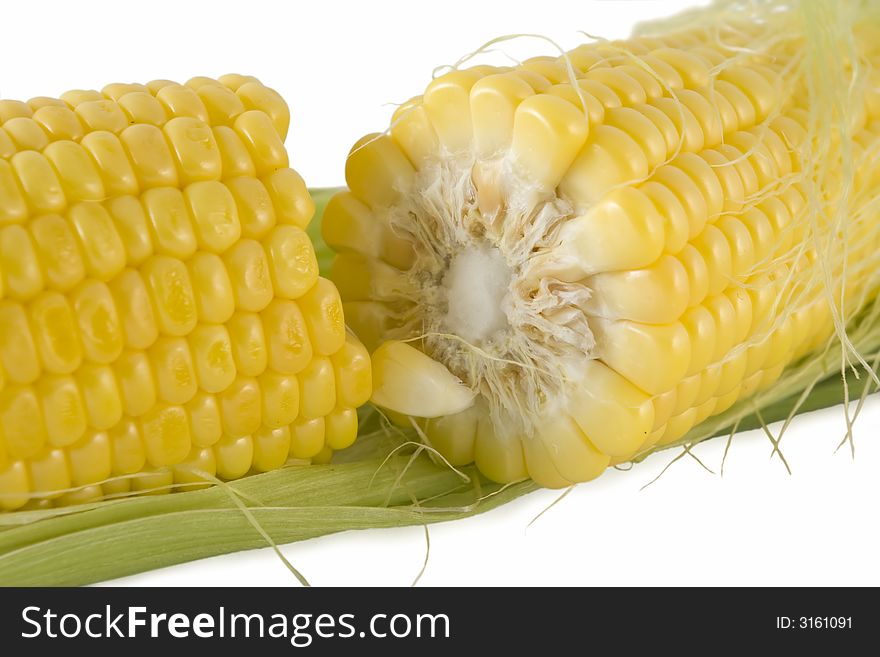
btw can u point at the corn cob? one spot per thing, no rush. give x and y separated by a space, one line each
161 314
563 264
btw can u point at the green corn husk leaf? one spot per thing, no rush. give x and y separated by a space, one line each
385 480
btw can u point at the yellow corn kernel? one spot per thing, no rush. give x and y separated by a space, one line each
322 311
54 329
171 291
211 349
102 248
26 134
249 348
293 204
22 275
166 435
281 397
287 340
136 382
117 173
255 210
198 468
150 156
254 96
15 486
49 474
63 411
13 207
101 114
142 107
241 407
214 298
99 327
179 100
90 459
18 352
21 422
271 448
215 216
131 224
306 437
317 388
204 419
169 220
234 456
194 148
173 370
262 141
133 305
351 366
340 428
58 252
79 178
223 104
248 268
234 156
292 262
103 403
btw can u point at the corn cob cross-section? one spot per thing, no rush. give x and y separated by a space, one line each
161 313
564 263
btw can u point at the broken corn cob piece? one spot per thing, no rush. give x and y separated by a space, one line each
161 313
561 264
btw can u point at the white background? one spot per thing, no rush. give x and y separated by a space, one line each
341 65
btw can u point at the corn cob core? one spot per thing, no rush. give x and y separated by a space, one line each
161 313
562 264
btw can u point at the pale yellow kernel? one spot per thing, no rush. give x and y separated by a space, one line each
290 197
211 349
22 275
287 339
100 330
249 348
102 248
103 403
214 214
131 224
113 164
234 156
150 156
173 370
48 473
134 308
306 437
76 171
271 448
127 447
63 409
170 225
351 365
241 407
103 115
214 298
58 251
166 435
54 329
292 261
281 397
142 107
234 456
206 427
21 422
18 351
249 271
194 148
317 388
171 291
136 382
90 459
262 141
